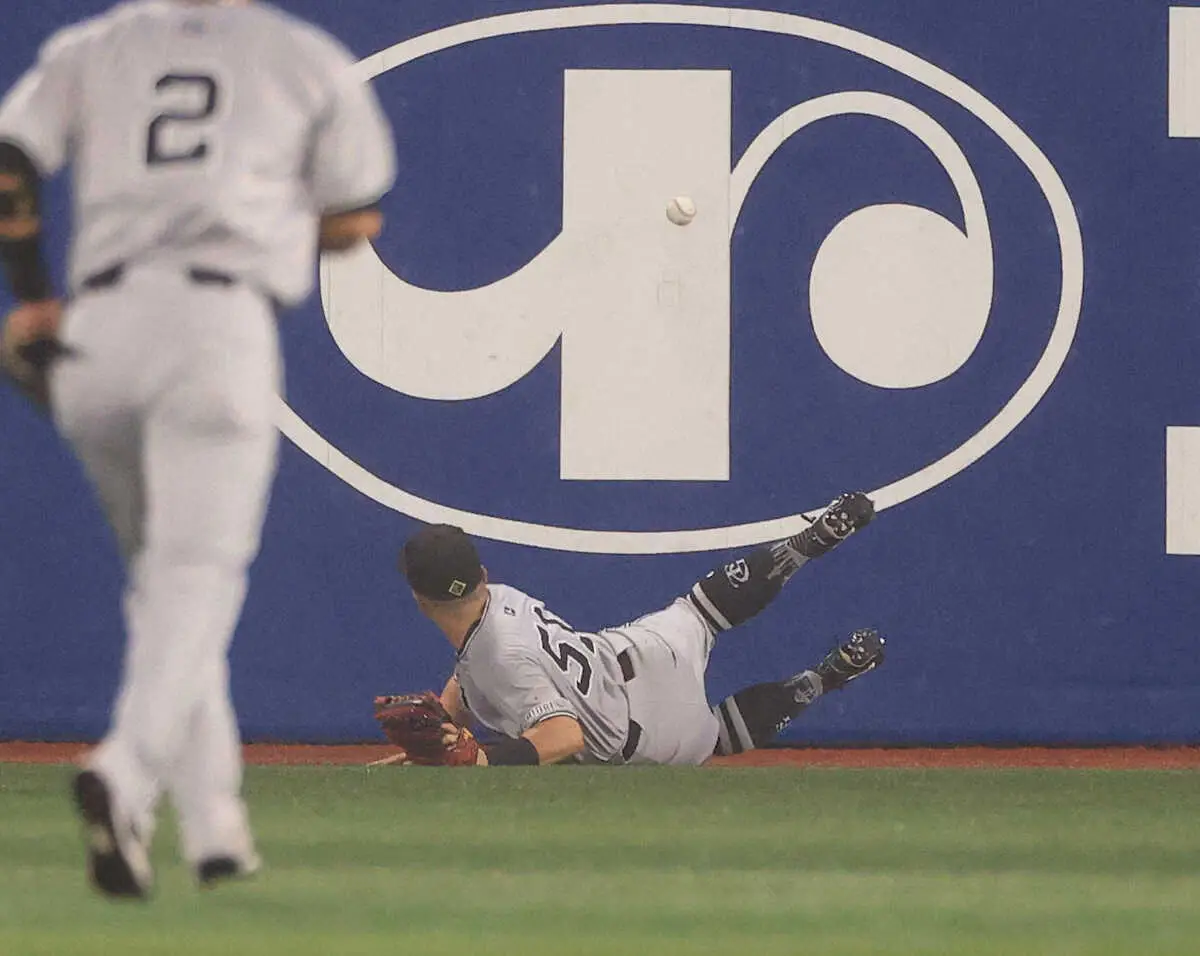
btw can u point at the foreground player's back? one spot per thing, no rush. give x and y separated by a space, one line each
202 133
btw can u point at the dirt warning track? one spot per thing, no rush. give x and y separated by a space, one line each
1086 758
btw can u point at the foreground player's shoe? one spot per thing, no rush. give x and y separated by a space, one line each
846 514
118 864
861 652
215 870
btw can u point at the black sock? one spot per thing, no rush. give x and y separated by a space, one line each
736 591
755 715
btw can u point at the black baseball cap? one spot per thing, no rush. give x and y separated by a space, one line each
441 563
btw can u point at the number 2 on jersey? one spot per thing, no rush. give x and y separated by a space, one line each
197 87
566 652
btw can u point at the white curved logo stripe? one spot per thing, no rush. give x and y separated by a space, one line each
903 114
1014 411
954 315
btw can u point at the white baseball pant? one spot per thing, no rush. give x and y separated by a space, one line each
169 405
669 652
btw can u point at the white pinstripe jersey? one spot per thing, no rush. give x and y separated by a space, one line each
522 664
202 135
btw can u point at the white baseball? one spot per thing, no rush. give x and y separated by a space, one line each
681 210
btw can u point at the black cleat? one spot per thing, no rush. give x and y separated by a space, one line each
219 869
846 514
118 864
861 652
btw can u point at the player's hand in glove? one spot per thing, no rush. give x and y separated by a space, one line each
421 727
30 346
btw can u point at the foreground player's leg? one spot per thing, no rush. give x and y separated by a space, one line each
207 456
217 457
118 860
736 592
755 715
205 787
96 410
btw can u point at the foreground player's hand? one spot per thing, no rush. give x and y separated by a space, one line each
29 345
32 320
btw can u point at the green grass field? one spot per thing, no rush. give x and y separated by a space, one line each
577 861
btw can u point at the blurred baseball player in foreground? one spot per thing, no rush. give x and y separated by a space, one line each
632 694
215 147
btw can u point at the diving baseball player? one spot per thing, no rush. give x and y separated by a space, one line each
215 146
632 694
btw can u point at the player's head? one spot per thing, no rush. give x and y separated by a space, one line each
442 567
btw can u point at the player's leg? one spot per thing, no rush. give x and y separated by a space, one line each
110 452
96 406
208 444
664 658
205 787
671 719
735 592
211 452
95 399
755 715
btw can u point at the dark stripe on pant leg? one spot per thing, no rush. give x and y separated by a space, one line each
735 741
708 618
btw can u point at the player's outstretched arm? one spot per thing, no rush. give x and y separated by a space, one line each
453 702
553 740
420 725
556 738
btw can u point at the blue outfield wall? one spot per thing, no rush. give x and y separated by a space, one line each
944 250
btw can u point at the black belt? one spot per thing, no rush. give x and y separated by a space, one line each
112 277
635 729
632 741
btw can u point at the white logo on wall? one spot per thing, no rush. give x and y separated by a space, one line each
738 572
619 268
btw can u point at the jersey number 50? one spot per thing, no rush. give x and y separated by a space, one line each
199 96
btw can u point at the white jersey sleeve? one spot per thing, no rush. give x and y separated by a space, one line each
39 113
353 160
